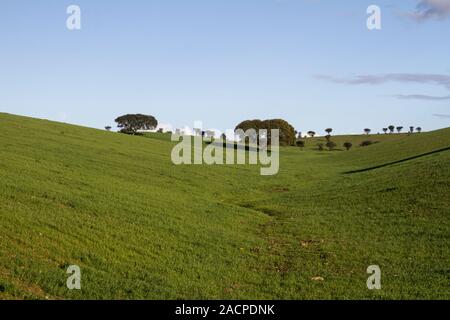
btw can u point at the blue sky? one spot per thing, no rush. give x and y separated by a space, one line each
311 62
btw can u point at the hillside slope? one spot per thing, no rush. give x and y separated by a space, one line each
141 228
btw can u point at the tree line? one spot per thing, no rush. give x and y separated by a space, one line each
250 131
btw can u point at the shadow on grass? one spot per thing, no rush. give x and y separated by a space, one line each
398 161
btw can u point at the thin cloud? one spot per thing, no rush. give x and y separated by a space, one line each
437 79
420 97
431 10
443 116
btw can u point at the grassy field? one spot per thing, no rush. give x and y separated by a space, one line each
142 228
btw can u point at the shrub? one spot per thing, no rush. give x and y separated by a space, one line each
331 145
320 146
366 143
300 143
348 145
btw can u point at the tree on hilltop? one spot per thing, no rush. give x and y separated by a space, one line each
391 128
132 123
286 131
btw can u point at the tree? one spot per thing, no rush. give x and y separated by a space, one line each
223 136
391 128
367 131
399 129
250 130
108 128
132 123
300 143
286 131
160 130
411 129
331 145
311 134
299 135
419 129
329 131
348 145
385 130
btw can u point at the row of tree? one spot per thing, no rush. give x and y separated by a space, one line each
248 130
390 129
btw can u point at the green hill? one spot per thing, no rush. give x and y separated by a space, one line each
142 228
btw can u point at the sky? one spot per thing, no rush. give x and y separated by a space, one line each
313 63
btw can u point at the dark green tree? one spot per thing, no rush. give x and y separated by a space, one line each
286 131
132 123
247 126
391 128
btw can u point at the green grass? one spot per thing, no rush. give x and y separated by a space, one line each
142 228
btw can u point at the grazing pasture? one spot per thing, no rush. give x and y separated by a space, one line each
142 228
